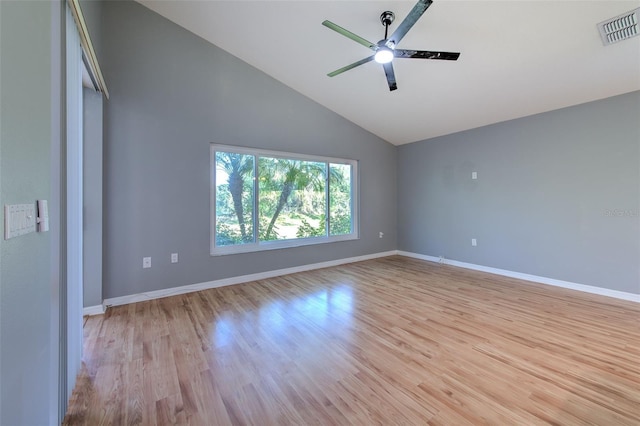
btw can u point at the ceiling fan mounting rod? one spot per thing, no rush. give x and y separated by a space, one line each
386 18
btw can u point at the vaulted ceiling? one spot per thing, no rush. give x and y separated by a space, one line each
518 58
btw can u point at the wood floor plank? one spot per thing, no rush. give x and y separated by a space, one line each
392 341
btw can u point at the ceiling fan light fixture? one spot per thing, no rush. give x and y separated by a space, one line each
384 55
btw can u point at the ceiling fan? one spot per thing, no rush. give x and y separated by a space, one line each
385 50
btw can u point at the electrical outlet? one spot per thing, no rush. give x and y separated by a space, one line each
146 262
174 257
381 234
441 260
474 242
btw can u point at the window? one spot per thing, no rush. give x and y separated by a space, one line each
265 200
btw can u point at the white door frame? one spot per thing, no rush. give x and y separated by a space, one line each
71 297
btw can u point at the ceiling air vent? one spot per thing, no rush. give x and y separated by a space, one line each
619 28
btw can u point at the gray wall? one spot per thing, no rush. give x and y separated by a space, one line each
540 204
29 164
557 195
172 94
92 198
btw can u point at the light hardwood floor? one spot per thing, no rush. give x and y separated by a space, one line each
392 341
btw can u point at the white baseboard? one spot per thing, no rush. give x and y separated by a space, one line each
527 277
140 297
93 310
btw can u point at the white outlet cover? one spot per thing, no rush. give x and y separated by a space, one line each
174 257
146 262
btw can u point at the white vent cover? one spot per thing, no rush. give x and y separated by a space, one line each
619 28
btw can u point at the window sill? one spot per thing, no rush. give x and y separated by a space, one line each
277 245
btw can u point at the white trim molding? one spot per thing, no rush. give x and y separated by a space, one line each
632 297
151 295
92 310
87 47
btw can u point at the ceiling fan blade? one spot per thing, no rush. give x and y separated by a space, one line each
408 22
426 54
349 34
351 66
391 76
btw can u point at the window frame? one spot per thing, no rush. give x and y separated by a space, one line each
257 245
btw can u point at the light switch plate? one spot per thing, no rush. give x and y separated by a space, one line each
19 219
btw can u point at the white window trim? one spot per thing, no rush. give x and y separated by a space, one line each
279 244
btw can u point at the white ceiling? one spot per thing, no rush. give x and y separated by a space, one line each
517 57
